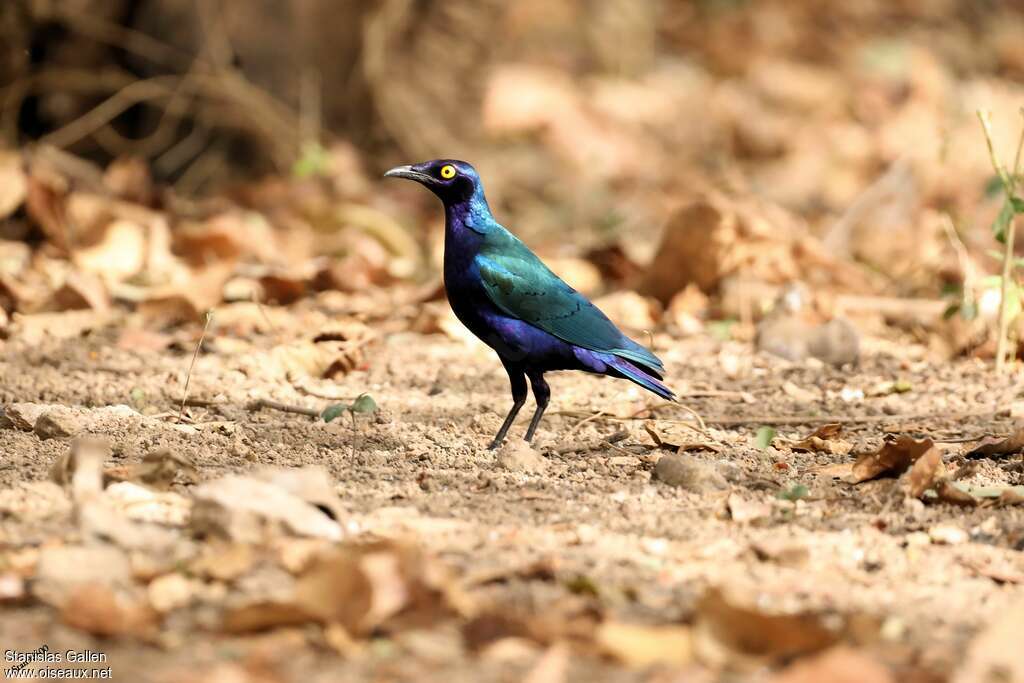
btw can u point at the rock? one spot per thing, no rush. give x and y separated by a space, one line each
169 592
81 468
63 421
836 342
947 534
102 521
12 588
34 501
312 484
241 508
24 415
141 504
63 568
57 424
688 474
161 467
516 455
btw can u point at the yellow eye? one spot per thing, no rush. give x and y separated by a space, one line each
448 172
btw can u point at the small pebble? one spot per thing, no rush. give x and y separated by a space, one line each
516 455
689 474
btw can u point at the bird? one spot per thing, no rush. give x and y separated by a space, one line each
505 295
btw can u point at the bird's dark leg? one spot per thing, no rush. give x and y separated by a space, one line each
541 393
517 379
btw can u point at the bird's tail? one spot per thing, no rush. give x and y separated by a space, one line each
635 374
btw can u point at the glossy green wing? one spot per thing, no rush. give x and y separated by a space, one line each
522 286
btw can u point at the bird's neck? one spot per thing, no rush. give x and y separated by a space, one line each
469 220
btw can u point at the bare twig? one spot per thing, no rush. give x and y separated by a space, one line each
962 257
724 421
192 365
283 407
576 427
1009 187
592 444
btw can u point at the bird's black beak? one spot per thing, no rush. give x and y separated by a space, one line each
411 173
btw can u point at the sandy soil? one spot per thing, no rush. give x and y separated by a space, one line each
614 540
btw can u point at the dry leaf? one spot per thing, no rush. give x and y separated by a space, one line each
1009 445
583 276
925 473
824 439
553 666
36 327
741 636
639 647
245 509
98 610
893 458
837 665
80 290
119 255
13 183
224 561
949 492
630 310
679 437
361 588
160 468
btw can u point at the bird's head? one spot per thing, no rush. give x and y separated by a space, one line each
451 180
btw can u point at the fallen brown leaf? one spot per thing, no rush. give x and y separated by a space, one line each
893 458
120 254
741 636
925 473
948 492
639 646
97 609
246 509
361 588
81 290
837 665
1013 443
224 561
824 439
13 183
553 666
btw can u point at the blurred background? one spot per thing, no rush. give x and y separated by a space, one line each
690 162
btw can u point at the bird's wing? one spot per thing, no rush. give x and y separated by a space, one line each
520 285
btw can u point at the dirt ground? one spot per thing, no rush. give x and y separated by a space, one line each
583 530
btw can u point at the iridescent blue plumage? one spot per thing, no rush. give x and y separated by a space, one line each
508 298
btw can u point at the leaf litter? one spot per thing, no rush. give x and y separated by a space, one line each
167 530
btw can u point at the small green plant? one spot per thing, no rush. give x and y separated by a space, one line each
764 438
793 493
363 403
1003 229
313 161
721 329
